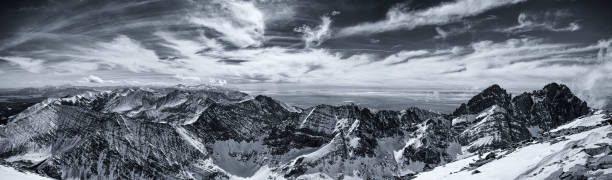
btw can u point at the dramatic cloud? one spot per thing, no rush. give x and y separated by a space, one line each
399 18
239 43
523 63
59 19
514 62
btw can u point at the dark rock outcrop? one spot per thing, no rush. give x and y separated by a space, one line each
435 144
493 95
552 106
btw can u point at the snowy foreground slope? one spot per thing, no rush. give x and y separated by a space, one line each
215 133
585 154
12 173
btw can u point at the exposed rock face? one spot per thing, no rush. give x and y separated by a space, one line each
14 107
493 95
247 120
509 120
13 103
433 144
550 107
86 137
206 133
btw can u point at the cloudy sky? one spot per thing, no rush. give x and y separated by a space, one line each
349 43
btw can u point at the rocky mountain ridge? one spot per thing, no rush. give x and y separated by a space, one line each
215 133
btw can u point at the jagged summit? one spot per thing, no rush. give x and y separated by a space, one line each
216 133
495 119
554 87
552 106
493 95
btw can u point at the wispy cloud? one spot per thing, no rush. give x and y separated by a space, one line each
547 21
314 36
123 52
403 56
94 79
399 18
187 78
442 34
223 42
240 22
523 62
595 85
59 22
452 31
514 62
26 63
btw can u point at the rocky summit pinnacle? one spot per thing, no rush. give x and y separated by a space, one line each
493 95
552 106
216 133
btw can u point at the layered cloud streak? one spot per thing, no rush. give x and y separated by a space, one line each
402 18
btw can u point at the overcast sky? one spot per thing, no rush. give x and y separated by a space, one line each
384 43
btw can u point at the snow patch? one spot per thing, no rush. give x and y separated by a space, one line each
262 173
464 119
398 155
315 176
490 111
318 154
535 161
195 117
12 173
340 124
33 157
483 141
307 116
354 126
354 142
588 121
192 141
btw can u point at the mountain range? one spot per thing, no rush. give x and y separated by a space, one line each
207 132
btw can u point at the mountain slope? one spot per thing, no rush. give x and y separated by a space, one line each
11 173
207 132
581 154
